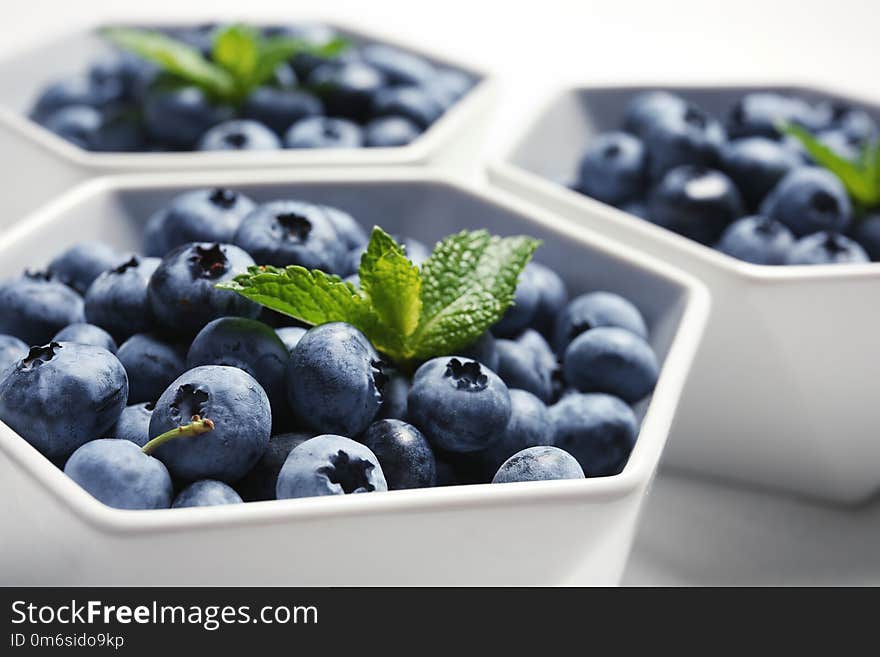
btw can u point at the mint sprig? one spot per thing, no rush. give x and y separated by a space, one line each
241 58
410 315
861 177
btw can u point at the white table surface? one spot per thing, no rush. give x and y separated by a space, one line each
692 531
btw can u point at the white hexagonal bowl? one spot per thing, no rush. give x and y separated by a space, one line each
783 393
555 532
38 165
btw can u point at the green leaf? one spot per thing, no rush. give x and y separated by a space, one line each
860 178
175 58
237 49
467 284
277 50
392 283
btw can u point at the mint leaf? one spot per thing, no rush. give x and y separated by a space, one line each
860 178
237 49
392 283
277 50
174 57
467 284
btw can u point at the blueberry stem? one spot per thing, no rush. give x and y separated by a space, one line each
197 427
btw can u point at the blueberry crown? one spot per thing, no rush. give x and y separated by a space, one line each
188 402
131 263
225 198
209 262
352 474
40 354
298 226
467 376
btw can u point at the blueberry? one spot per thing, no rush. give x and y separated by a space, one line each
529 426
394 395
647 108
82 263
552 297
122 131
415 250
201 215
613 168
460 405
521 365
759 114
152 364
329 465
206 492
410 102
242 419
117 300
347 88
123 75
62 395
248 345
335 380
593 310
134 424
841 143
323 132
867 233
539 464
483 351
690 137
179 117
285 233
79 124
855 123
11 350
390 132
290 336
347 227
403 452
399 67
758 240
756 165
76 90
612 360
83 333
808 200
638 208
695 202
182 291
239 135
825 248
524 308
36 307
280 108
447 86
260 481
599 430
119 474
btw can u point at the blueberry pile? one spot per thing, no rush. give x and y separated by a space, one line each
210 398
369 95
738 184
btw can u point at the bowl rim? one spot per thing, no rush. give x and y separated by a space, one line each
427 144
634 479
502 167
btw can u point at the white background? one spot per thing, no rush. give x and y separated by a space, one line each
693 532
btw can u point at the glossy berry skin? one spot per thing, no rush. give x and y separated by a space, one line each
809 200
260 481
403 452
249 345
206 492
647 108
398 67
529 426
826 248
117 300
525 305
539 464
239 135
867 233
758 240
460 405
152 364
696 202
855 123
285 233
335 380
520 365
11 351
323 132
347 88
390 132
841 143
62 395
73 91
347 228
290 336
410 102
756 165
36 307
119 474
690 137
613 168
134 424
83 333
280 108
200 215
179 117
329 465
83 262
589 311
484 351
242 418
552 297
182 292
394 394
612 360
758 115
79 124
599 430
